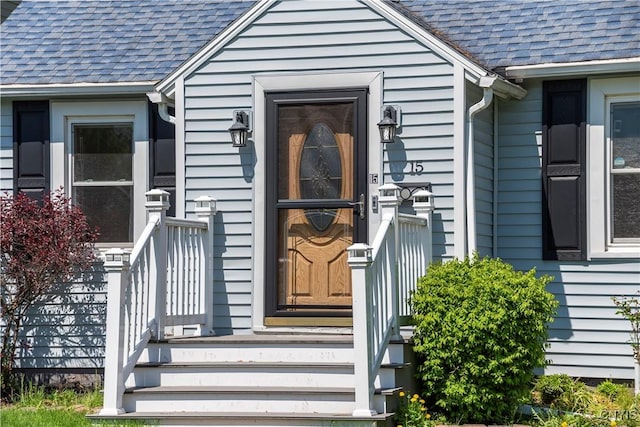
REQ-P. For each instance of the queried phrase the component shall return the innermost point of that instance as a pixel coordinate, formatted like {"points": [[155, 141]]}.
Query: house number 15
{"points": [[415, 168]]}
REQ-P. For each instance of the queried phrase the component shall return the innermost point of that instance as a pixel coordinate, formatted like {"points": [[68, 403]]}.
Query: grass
{"points": [[37, 407]]}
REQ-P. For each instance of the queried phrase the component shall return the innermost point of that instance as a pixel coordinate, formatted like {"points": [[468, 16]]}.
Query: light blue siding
{"points": [[67, 329], [587, 338], [311, 37], [6, 146]]}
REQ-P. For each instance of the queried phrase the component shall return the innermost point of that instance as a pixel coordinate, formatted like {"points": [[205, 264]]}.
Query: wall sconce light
{"points": [[240, 128], [389, 123]]}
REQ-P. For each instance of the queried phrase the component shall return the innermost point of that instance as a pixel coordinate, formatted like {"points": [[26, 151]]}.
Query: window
{"points": [[624, 171], [614, 168], [102, 177], [99, 154]]}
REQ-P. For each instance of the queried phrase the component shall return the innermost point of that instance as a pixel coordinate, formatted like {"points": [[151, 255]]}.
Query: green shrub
{"points": [[551, 387], [610, 389], [480, 331], [561, 392]]}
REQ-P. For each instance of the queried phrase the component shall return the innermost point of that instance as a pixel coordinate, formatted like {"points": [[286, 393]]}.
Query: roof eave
{"points": [[569, 69], [474, 71], [502, 88], [167, 85], [75, 89]]}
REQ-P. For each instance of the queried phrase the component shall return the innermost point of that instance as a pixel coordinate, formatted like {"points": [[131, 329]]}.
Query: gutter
{"points": [[568, 69], [163, 106], [75, 89], [491, 85]]}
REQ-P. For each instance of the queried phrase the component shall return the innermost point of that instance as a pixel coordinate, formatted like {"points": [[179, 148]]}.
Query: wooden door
{"points": [[317, 201]]}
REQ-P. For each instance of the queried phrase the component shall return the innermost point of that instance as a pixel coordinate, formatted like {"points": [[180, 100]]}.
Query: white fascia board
{"points": [[568, 69], [76, 89], [474, 71], [167, 85]]}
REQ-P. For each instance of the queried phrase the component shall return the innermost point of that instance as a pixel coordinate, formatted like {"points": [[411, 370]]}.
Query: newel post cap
{"points": [[157, 200], [116, 258], [423, 201], [359, 254], [389, 194], [205, 205]]}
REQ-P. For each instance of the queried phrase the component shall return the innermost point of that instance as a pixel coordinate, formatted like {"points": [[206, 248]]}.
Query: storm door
{"points": [[316, 200]]}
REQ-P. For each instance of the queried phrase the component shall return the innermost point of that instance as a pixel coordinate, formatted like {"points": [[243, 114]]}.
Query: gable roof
{"points": [[46, 42], [93, 41], [501, 33]]}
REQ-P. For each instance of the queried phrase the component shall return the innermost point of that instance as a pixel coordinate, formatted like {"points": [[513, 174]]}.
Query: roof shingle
{"points": [[107, 41], [501, 33], [144, 40]]}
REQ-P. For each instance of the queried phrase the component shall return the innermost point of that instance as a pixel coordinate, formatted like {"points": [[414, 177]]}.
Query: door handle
{"points": [[361, 206]]}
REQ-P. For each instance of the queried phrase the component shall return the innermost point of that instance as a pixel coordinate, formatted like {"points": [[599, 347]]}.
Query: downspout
{"points": [[163, 106], [485, 83], [495, 181]]}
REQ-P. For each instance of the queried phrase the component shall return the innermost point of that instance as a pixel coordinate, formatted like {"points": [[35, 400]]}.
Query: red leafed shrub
{"points": [[42, 244]]}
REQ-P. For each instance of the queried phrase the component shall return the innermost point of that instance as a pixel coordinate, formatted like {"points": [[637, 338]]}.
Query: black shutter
{"points": [[31, 148], [162, 138], [564, 113]]}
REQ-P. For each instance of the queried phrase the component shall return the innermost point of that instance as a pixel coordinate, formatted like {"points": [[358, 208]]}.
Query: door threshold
{"points": [[309, 322]]}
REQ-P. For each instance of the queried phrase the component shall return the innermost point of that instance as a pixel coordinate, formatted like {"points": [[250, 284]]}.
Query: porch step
{"points": [[284, 374], [255, 419], [257, 380], [253, 348], [242, 399]]}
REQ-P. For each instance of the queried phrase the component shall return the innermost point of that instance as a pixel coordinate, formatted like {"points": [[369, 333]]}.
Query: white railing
{"points": [[383, 276], [164, 281]]}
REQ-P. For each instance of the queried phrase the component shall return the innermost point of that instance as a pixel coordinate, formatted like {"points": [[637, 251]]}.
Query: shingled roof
{"points": [[501, 33], [144, 40], [107, 41]]}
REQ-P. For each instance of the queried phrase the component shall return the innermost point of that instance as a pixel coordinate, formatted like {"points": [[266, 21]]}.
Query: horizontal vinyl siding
{"points": [[6, 146], [311, 37], [587, 338], [67, 330]]}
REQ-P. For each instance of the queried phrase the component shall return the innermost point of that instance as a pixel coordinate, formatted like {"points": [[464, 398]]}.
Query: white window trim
{"points": [[65, 114], [601, 93]]}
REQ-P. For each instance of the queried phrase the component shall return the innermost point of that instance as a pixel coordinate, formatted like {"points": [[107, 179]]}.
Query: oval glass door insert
{"points": [[320, 173]]}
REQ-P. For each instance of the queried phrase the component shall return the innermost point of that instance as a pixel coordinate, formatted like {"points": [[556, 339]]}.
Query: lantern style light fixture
{"points": [[389, 123], [240, 128]]}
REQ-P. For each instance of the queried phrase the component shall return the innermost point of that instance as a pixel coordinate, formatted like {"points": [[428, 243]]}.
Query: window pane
{"points": [[108, 208], [626, 209], [103, 152], [625, 135]]}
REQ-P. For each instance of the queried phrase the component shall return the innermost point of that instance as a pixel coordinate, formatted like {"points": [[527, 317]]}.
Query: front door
{"points": [[316, 200]]}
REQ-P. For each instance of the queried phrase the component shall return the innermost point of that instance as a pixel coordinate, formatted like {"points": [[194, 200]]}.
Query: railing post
{"points": [[205, 211], [424, 206], [157, 205], [117, 265], [389, 201], [359, 259]]}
